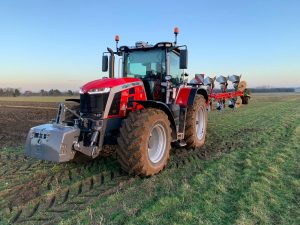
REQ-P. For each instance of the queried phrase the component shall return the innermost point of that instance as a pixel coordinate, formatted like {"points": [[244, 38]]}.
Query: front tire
{"points": [[196, 123], [144, 142]]}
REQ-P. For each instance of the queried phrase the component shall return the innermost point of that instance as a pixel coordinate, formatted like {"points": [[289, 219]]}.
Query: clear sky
{"points": [[59, 43]]}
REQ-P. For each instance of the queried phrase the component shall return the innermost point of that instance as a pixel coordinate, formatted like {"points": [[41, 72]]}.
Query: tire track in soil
{"points": [[40, 183], [180, 160], [26, 170], [74, 199], [46, 183]]}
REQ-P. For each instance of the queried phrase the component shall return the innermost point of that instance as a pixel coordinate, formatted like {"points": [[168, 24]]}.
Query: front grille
{"points": [[115, 105], [94, 103]]}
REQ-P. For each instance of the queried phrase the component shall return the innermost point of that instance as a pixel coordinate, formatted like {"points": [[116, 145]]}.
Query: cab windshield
{"points": [[145, 64]]}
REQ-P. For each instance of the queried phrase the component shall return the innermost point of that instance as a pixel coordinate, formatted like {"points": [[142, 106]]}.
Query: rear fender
{"points": [[163, 107], [186, 95], [202, 91]]}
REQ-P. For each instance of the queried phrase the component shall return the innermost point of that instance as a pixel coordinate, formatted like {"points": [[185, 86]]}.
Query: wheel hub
{"points": [[200, 123], [157, 143]]}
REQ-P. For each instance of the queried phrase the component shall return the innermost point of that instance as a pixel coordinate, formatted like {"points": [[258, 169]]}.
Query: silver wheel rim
{"points": [[157, 143], [200, 123]]}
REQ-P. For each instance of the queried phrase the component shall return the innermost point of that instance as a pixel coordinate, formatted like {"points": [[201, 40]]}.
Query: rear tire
{"points": [[196, 123], [144, 142]]}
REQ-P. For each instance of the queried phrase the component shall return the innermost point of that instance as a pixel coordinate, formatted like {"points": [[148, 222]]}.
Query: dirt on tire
{"points": [[133, 142]]}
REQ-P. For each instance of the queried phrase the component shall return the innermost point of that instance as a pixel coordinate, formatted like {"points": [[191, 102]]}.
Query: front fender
{"points": [[162, 106]]}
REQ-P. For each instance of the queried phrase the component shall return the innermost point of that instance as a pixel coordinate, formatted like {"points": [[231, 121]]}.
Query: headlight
{"points": [[99, 90]]}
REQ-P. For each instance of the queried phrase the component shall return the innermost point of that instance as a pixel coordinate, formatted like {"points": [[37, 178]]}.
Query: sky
{"points": [[48, 44]]}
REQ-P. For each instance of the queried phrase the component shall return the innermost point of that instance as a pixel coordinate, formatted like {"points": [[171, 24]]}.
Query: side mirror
{"points": [[104, 63], [183, 59]]}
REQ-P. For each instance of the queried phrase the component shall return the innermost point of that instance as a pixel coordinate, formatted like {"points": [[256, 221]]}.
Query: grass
{"points": [[254, 184], [251, 175]]}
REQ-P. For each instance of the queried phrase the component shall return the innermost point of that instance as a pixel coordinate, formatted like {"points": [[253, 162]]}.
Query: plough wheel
{"points": [[242, 85], [245, 100], [238, 102]]}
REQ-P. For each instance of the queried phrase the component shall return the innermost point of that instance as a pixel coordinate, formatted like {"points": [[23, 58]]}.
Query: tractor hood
{"points": [[106, 83]]}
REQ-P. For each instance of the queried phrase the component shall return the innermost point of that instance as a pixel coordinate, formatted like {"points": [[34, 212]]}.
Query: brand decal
{"points": [[130, 85]]}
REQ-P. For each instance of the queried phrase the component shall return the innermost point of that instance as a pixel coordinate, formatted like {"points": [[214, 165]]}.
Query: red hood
{"points": [[107, 83]]}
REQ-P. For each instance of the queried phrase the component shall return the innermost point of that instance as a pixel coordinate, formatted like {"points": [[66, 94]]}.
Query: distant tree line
{"points": [[56, 92], [6, 92], [15, 92], [271, 90]]}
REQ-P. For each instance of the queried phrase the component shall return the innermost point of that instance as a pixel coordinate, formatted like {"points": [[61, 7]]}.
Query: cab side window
{"points": [[175, 72]]}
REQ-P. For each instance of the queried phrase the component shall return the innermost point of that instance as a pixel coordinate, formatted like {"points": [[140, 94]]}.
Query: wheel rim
{"points": [[157, 143], [200, 123]]}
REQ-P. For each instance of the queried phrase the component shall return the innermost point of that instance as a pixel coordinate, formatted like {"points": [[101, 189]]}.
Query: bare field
{"points": [[36, 99], [18, 115], [247, 173], [17, 119]]}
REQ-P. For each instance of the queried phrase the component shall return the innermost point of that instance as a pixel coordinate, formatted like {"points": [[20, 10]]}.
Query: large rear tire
{"points": [[196, 123], [144, 142]]}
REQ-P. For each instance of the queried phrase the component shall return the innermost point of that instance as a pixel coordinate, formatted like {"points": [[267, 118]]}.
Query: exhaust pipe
{"points": [[112, 63]]}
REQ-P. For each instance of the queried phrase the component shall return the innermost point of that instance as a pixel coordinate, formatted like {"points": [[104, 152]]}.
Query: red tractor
{"points": [[149, 106]]}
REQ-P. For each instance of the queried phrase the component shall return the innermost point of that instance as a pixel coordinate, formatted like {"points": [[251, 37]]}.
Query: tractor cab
{"points": [[149, 65], [153, 64]]}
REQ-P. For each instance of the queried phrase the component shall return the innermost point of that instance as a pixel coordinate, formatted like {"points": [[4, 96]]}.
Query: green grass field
{"points": [[247, 173]]}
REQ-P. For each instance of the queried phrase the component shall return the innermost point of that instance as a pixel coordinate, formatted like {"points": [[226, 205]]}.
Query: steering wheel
{"points": [[136, 76], [151, 74]]}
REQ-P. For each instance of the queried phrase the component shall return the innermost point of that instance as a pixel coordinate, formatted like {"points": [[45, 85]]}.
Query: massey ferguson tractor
{"points": [[146, 108]]}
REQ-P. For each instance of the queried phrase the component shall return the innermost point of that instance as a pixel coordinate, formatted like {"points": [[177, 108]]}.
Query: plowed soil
{"points": [[17, 118]]}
